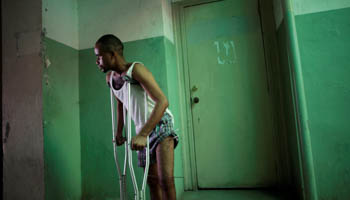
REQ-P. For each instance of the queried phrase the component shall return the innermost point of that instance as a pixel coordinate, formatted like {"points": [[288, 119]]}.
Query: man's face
{"points": [[103, 59]]}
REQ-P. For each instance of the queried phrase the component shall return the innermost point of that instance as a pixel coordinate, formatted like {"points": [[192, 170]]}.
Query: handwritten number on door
{"points": [[226, 52]]}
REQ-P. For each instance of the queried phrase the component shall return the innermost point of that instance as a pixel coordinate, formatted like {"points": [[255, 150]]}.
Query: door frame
{"points": [[188, 153]]}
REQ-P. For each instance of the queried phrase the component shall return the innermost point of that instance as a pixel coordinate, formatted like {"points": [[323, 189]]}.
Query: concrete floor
{"points": [[235, 194]]}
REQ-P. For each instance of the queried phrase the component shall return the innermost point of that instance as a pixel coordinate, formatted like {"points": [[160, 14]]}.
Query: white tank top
{"points": [[138, 98]]}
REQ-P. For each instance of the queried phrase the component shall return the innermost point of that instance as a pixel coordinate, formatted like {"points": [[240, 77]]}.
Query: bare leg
{"points": [[153, 183], [165, 162]]}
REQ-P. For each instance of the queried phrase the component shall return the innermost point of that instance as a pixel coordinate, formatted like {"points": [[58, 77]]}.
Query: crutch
{"points": [[122, 175], [139, 194]]}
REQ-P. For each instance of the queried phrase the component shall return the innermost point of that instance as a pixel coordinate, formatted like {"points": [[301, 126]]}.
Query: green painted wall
{"points": [[324, 44], [324, 47], [174, 105], [99, 175], [61, 121]]}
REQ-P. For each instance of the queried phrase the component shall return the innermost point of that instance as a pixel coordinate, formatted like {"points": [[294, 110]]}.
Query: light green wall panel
{"points": [[130, 20], [61, 122], [99, 175], [314, 6], [324, 46], [60, 21]]}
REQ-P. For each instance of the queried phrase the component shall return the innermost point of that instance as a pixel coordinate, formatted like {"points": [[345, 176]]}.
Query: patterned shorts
{"points": [[162, 130]]}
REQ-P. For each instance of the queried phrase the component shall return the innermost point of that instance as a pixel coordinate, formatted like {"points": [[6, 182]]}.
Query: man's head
{"points": [[107, 50]]}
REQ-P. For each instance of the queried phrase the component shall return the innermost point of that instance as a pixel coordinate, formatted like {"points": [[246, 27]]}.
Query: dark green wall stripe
{"points": [[61, 122], [324, 46]]}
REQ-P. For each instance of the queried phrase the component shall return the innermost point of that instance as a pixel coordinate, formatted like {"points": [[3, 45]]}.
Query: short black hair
{"points": [[110, 43]]}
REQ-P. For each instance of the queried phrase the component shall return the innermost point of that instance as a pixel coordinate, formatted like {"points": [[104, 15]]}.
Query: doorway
{"points": [[229, 108]]}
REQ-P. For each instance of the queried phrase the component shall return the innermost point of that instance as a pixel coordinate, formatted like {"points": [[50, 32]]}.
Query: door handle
{"points": [[195, 100]]}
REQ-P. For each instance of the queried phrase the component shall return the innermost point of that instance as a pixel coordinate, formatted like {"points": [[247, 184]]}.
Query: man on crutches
{"points": [[139, 95]]}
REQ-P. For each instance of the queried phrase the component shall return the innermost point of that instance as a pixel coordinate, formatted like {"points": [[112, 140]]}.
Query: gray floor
{"points": [[235, 194]]}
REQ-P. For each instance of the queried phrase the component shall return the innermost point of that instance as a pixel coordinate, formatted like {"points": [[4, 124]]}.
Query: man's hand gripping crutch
{"points": [[139, 194]]}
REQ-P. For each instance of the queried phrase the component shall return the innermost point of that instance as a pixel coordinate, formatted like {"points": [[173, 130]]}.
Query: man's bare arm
{"points": [[145, 77]]}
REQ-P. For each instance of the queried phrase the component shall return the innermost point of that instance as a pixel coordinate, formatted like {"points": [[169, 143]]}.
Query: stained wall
{"points": [[22, 129]]}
